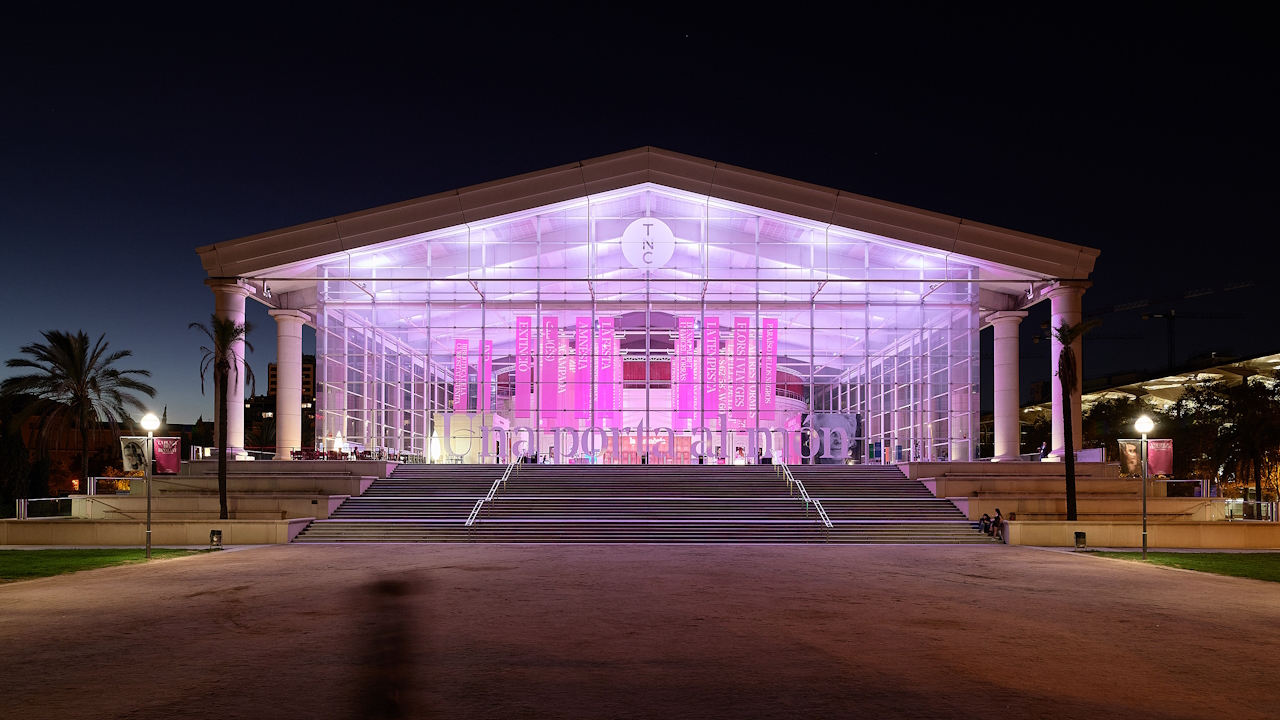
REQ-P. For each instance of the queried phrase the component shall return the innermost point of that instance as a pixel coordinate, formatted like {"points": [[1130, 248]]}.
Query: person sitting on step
{"points": [[997, 525]]}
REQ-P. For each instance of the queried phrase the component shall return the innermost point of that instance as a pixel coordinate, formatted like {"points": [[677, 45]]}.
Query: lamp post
{"points": [[1144, 425], [149, 423]]}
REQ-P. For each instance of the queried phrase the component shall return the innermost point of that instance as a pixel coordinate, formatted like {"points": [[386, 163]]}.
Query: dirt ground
{"points": [[590, 631]]}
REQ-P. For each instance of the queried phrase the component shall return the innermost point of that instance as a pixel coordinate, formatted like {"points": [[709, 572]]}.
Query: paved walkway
{"points": [[590, 631]]}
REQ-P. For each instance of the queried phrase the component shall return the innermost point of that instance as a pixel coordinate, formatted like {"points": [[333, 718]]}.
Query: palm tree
{"points": [[75, 386], [1066, 334], [220, 355]]}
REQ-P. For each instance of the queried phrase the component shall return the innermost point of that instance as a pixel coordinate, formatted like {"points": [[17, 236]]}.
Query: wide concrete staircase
{"points": [[878, 504], [645, 503]]}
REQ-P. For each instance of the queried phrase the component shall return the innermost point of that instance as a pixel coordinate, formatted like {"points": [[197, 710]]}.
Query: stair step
{"points": [[645, 504]]}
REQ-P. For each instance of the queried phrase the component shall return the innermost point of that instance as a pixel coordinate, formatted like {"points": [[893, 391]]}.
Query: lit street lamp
{"points": [[149, 423], [1144, 426]]}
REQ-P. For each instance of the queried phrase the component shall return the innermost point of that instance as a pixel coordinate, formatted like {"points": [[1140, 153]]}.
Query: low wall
{"points": [[985, 468], [1036, 485], [1224, 535], [1108, 508], [376, 468], [277, 484], [68, 531], [205, 507]]}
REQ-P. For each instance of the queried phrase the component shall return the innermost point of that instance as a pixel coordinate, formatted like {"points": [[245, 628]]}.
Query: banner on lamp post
{"points": [[1159, 458], [167, 452], [133, 452]]}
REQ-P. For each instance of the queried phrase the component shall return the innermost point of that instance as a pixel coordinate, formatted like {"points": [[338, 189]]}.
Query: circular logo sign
{"points": [[648, 243]]}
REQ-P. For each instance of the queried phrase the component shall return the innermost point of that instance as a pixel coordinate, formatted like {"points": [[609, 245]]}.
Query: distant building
{"points": [[308, 377], [259, 409]]}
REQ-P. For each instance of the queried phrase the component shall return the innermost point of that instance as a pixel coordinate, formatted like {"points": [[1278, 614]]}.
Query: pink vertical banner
{"points": [[524, 365], [459, 376], [741, 360], [167, 452], [605, 371], [549, 370], [582, 376], [617, 382], [486, 372], [768, 367], [686, 398], [710, 371], [692, 374], [564, 385]]}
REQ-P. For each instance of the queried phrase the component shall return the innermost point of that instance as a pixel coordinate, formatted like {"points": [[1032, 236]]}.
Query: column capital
{"points": [[230, 286], [1066, 287], [282, 316], [1006, 316]]}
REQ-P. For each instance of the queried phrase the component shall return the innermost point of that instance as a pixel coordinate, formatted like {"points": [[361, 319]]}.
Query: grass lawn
{"points": [[30, 564], [1259, 566]]}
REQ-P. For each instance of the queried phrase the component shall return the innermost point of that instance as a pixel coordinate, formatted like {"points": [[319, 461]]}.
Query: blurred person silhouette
{"points": [[390, 683]]}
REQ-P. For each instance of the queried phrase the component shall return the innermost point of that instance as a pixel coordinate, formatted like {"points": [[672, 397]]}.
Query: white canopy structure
{"points": [[656, 290]]}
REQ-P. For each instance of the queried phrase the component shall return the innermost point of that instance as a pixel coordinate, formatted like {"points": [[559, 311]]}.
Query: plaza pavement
{"points": [[592, 631]]}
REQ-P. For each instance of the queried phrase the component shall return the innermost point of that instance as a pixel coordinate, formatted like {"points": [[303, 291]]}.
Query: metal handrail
{"points": [[793, 481], [493, 491]]}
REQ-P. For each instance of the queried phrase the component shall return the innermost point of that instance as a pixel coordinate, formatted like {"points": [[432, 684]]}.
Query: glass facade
{"points": [[681, 328]]}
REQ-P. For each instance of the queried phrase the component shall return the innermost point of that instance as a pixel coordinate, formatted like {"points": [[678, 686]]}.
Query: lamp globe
{"points": [[150, 422], [1144, 425]]}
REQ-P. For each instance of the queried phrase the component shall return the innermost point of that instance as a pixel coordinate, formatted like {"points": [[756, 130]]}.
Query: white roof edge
{"points": [[476, 203]]}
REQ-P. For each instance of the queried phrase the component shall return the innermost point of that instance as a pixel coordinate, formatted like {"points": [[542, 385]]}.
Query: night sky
{"points": [[126, 141]]}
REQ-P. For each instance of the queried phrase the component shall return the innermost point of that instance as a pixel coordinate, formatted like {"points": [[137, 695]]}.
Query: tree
{"points": [[1109, 421], [75, 386], [262, 436], [1066, 334], [1193, 422], [1249, 436], [220, 356]]}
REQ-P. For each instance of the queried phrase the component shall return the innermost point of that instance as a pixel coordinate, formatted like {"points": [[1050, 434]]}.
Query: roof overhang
{"points": [[255, 253]]}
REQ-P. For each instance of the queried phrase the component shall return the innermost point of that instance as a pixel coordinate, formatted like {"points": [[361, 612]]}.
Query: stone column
{"points": [[1008, 424], [288, 381], [228, 303], [1064, 299]]}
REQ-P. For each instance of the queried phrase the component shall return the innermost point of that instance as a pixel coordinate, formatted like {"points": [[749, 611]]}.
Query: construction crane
{"points": [[1170, 322], [1173, 297], [1170, 317]]}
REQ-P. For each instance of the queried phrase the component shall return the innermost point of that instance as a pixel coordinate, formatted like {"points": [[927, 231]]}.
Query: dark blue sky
{"points": [[127, 140]]}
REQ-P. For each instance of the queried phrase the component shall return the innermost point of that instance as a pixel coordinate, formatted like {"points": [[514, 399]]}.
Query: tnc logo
{"points": [[648, 243]]}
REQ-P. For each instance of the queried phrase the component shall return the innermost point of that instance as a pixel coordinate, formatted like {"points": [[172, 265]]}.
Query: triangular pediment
{"points": [[267, 253]]}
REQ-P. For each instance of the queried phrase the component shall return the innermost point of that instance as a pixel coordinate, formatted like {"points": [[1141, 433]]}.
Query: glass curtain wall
{"points": [[681, 329]]}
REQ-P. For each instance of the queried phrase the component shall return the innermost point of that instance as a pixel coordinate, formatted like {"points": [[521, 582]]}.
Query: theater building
{"points": [[648, 307]]}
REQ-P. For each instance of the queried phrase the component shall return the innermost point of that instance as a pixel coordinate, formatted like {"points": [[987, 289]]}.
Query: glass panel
{"points": [[647, 325]]}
